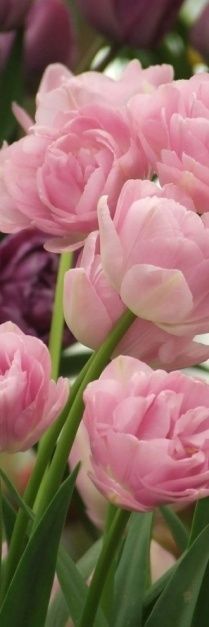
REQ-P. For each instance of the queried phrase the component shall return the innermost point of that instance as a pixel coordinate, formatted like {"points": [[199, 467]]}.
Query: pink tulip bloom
{"points": [[173, 128], [149, 435], [29, 400], [92, 306], [81, 146], [96, 504], [161, 259]]}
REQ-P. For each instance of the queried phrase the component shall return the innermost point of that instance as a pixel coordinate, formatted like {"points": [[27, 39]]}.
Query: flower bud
{"points": [[132, 22]]}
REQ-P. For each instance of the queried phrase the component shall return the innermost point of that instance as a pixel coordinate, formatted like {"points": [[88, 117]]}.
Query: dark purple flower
{"points": [[199, 33], [140, 23], [12, 13], [49, 37], [27, 282]]}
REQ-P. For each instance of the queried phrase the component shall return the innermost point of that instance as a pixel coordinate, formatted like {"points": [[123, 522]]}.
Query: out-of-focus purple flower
{"points": [[199, 33], [12, 13], [136, 22], [49, 37], [27, 281]]}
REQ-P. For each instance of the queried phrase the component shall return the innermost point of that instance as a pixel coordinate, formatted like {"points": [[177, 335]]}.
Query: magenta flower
{"points": [[135, 22], [149, 435], [29, 400], [82, 145]]}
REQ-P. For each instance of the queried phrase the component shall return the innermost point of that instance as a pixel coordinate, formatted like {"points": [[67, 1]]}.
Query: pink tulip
{"points": [[173, 128], [81, 146], [29, 400], [149, 435], [96, 505], [161, 259], [92, 306]]}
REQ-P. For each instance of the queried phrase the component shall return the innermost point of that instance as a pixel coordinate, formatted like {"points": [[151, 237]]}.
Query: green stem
{"points": [[103, 567], [57, 323], [65, 442], [177, 528]]}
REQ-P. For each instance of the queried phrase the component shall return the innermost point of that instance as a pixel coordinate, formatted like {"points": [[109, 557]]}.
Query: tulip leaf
{"points": [[87, 562], [9, 517], [58, 612], [176, 604], [133, 573], [154, 591], [74, 588], [27, 598], [16, 496], [177, 528]]}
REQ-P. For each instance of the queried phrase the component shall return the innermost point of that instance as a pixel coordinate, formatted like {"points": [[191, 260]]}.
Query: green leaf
{"points": [[9, 517], [11, 87], [176, 605], [15, 495], [58, 612], [177, 528], [74, 588], [132, 573], [154, 591], [200, 518], [201, 611], [27, 598]]}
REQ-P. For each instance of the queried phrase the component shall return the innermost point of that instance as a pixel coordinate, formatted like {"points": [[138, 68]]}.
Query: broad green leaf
{"points": [[177, 528], [27, 598], [74, 588], [202, 608], [200, 518], [87, 562], [176, 605], [9, 516], [132, 573], [15, 495], [11, 87], [154, 591], [58, 612]]}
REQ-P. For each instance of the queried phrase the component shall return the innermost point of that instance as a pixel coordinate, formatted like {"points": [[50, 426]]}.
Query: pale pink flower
{"points": [[29, 400], [96, 504], [173, 128], [82, 145], [92, 306], [149, 435], [161, 259]]}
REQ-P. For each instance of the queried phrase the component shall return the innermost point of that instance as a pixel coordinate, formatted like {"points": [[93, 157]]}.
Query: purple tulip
{"points": [[199, 33], [49, 38], [27, 282], [12, 13], [136, 22]]}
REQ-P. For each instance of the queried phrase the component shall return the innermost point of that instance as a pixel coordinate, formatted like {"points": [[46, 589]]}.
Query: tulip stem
{"points": [[66, 439], [57, 323], [103, 566]]}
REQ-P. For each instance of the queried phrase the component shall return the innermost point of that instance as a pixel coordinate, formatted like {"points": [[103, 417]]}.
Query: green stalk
{"points": [[57, 324], [103, 566], [65, 442]]}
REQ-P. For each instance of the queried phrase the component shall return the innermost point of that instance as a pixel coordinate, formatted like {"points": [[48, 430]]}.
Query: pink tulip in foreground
{"points": [[149, 435], [161, 259], [29, 400], [92, 306], [82, 145]]}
